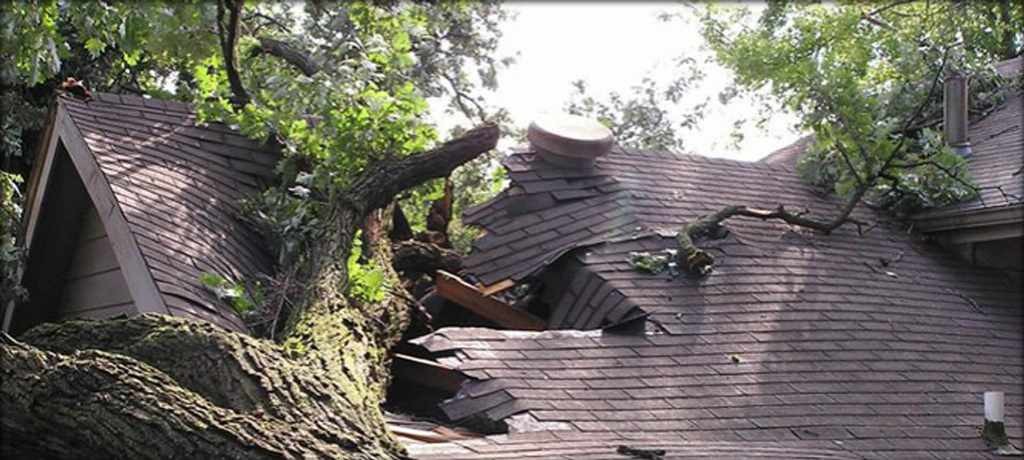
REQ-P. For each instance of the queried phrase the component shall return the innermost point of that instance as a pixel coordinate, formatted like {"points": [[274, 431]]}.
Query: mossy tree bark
{"points": [[163, 387]]}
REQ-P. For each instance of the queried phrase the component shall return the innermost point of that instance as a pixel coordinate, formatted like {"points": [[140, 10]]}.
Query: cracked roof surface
{"points": [[877, 341]]}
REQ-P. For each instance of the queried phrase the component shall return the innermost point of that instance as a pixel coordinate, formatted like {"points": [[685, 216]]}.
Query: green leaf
{"points": [[94, 46]]}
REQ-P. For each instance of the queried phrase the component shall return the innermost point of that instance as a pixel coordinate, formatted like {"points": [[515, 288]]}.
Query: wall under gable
{"points": [[94, 286]]}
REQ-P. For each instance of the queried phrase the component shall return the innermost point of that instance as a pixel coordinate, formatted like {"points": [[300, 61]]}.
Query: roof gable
{"points": [[168, 193]]}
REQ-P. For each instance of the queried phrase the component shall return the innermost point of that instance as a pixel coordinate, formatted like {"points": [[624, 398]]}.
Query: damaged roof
{"points": [[867, 339]]}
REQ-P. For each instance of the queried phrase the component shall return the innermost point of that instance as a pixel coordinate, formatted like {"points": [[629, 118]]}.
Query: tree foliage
{"points": [[337, 85], [10, 252], [642, 117], [866, 79]]}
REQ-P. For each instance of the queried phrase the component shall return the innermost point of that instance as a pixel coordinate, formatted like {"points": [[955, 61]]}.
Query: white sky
{"points": [[612, 46]]}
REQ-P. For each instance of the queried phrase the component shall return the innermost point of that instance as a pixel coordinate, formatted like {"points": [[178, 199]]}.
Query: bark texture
{"points": [[698, 262], [419, 257], [98, 404], [163, 387]]}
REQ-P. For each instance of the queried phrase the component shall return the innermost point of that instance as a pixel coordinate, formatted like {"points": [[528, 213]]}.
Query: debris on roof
{"points": [[453, 288]]}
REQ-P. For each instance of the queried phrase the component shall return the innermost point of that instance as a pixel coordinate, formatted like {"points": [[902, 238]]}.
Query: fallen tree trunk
{"points": [[95, 404], [162, 387]]}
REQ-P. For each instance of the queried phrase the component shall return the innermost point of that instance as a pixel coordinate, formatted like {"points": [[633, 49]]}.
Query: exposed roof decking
{"points": [[179, 187]]}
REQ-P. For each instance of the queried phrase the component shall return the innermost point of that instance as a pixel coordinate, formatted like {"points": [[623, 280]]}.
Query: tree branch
{"points": [[227, 33], [270, 21], [955, 175], [460, 96], [871, 178], [289, 54], [377, 186], [883, 8], [696, 261], [417, 256], [849, 164]]}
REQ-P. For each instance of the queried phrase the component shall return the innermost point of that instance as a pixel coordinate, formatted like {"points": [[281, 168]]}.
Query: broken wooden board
{"points": [[495, 288], [427, 373], [453, 288]]}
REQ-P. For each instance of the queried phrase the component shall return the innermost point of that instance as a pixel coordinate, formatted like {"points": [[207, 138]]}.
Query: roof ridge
{"points": [[144, 100], [701, 158], [619, 150]]}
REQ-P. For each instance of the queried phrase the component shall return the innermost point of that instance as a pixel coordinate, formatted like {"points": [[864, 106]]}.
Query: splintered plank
{"points": [[430, 374], [497, 287], [453, 288]]}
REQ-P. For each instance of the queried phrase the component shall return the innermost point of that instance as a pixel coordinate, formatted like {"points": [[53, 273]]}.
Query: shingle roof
{"points": [[879, 392], [549, 210], [790, 154], [879, 341], [179, 186], [567, 445]]}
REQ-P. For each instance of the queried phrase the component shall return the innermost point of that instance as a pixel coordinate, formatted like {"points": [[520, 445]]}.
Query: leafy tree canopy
{"points": [[337, 85], [866, 79], [641, 118]]}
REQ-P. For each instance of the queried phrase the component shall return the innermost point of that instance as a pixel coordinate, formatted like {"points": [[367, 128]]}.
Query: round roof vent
{"points": [[569, 140]]}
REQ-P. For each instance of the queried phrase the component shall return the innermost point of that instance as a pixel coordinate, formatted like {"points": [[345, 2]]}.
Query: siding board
{"points": [[93, 254], [99, 290], [92, 227], [94, 286]]}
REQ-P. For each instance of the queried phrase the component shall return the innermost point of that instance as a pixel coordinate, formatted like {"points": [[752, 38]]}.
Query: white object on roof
{"points": [[569, 140], [994, 406]]}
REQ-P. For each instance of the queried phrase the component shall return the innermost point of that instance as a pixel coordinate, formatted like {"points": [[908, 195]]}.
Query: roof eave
{"points": [[939, 221]]}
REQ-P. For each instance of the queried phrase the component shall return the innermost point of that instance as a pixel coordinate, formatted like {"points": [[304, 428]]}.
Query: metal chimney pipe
{"points": [[954, 116]]}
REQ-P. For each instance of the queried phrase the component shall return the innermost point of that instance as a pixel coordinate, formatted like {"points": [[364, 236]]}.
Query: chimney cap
{"points": [[569, 137]]}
